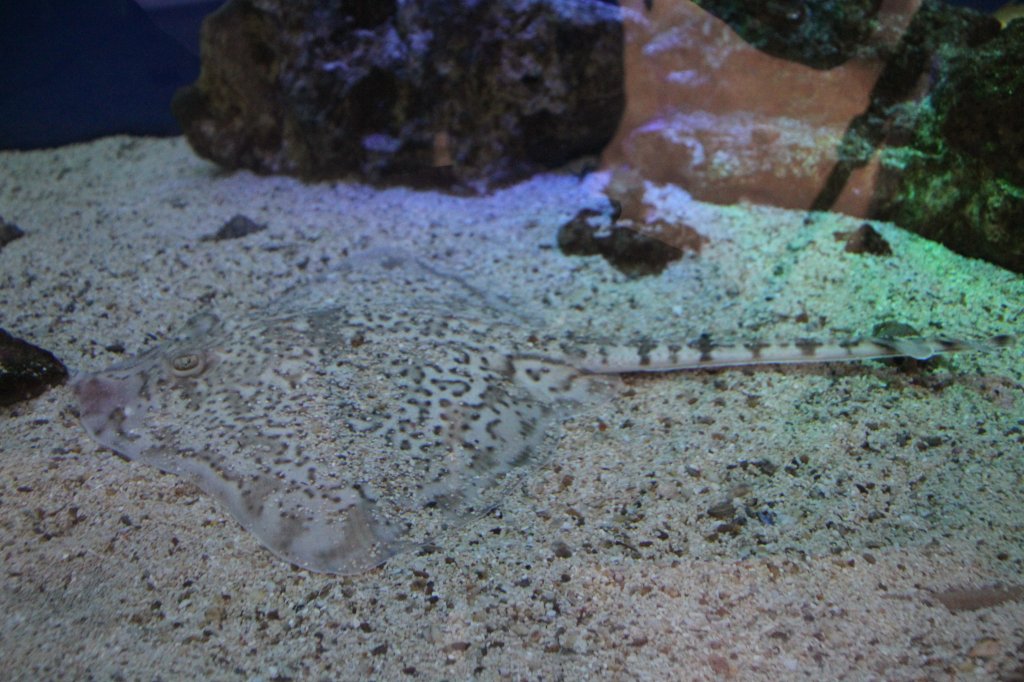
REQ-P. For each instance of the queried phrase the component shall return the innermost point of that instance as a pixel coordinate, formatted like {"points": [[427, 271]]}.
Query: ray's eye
{"points": [[187, 364]]}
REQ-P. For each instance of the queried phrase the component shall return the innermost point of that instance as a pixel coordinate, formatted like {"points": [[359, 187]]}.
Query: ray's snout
{"points": [[103, 401]]}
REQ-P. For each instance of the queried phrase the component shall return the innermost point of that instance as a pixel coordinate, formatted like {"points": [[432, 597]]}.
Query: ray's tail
{"points": [[646, 356]]}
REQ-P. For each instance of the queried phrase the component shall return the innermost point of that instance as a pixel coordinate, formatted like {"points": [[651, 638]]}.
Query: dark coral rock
{"points": [[981, 100], [634, 249], [819, 33], [580, 236], [935, 28], [959, 176], [9, 232], [236, 228], [488, 91], [25, 370]]}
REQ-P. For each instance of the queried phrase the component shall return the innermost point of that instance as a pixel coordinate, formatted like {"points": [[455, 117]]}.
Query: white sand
{"points": [[888, 485]]}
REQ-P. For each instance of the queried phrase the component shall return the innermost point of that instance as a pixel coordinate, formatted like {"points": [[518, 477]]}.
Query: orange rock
{"points": [[709, 112]]}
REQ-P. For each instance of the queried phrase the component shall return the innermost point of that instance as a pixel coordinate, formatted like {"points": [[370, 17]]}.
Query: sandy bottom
{"points": [[858, 521]]}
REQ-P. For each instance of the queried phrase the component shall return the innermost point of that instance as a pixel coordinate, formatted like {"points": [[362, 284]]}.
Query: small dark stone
{"points": [[865, 239], [25, 370], [765, 467], [891, 329], [722, 510], [9, 232], [379, 650], [732, 529], [561, 550], [236, 228]]}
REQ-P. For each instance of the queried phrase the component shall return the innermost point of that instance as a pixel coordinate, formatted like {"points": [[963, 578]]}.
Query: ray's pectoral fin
{"points": [[334, 530]]}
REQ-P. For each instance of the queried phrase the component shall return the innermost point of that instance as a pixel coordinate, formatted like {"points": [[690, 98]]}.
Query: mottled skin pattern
{"points": [[378, 410]]}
